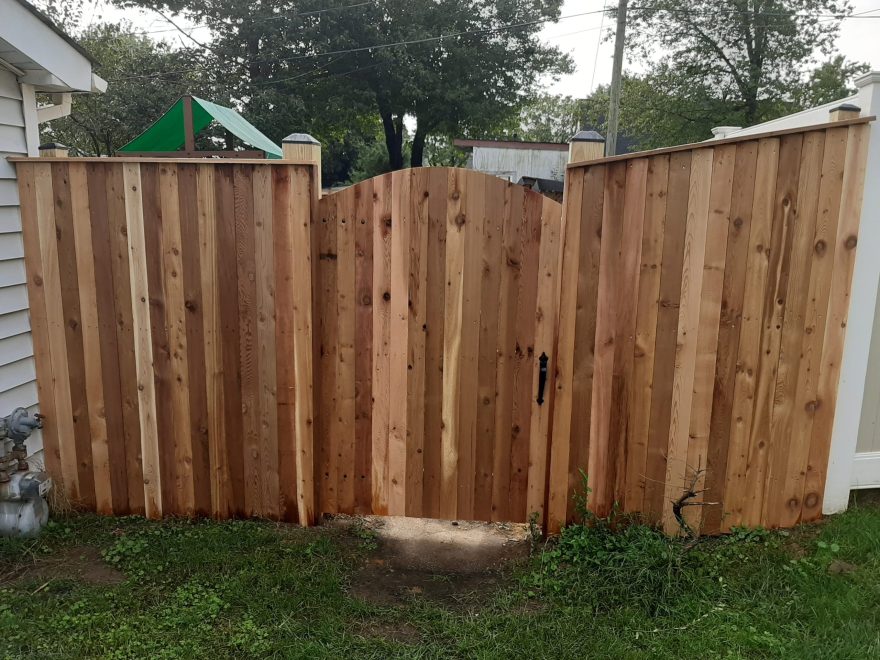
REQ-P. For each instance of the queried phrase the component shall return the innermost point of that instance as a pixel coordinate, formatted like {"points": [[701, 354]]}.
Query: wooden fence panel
{"points": [[432, 306], [163, 294], [712, 367], [213, 339]]}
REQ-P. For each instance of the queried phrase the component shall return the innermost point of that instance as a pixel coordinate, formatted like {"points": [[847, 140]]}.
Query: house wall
{"points": [[513, 164], [869, 429], [17, 376]]}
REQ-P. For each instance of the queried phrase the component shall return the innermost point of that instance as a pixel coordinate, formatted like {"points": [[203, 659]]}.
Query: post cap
{"points": [[299, 138], [51, 145], [587, 136], [846, 107]]}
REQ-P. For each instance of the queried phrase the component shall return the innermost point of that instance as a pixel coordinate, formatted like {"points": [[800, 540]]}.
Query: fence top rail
{"points": [[708, 144], [186, 161]]}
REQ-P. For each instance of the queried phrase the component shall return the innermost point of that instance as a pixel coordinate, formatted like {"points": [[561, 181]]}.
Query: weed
{"points": [[535, 533], [606, 588], [368, 539]]}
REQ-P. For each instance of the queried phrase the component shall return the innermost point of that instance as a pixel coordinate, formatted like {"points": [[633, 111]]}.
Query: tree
{"points": [[456, 84], [755, 56], [830, 81], [378, 62], [651, 115], [545, 118], [145, 78], [66, 14]]}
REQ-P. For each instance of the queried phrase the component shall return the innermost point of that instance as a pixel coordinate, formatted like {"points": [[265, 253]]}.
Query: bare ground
{"points": [[454, 562], [81, 563]]}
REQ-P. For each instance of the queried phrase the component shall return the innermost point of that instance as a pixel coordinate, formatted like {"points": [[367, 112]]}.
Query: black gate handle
{"points": [[542, 377]]}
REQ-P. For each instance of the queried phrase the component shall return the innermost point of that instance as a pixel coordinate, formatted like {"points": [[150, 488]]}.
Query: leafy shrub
{"points": [[604, 563], [602, 567]]}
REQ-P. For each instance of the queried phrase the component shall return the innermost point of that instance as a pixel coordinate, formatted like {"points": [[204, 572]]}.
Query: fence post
{"points": [[303, 147], [586, 145], [844, 111], [53, 150]]}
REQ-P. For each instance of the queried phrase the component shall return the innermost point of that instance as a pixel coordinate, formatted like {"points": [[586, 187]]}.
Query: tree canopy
{"points": [[707, 63], [101, 123], [386, 83], [745, 61], [455, 66]]}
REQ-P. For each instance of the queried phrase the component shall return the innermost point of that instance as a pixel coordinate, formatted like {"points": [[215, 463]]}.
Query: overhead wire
{"points": [[479, 31], [383, 46], [598, 44]]}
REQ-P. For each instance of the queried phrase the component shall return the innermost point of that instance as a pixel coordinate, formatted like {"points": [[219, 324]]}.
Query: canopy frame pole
{"points": [[189, 138]]}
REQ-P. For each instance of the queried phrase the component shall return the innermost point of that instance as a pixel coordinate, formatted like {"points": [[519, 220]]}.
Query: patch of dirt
{"points": [[453, 562], [402, 632], [81, 563], [840, 567]]}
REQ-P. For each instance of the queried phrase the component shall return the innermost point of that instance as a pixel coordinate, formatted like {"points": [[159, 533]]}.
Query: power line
{"points": [[598, 44], [779, 14], [503, 28], [250, 21], [410, 42], [643, 8]]}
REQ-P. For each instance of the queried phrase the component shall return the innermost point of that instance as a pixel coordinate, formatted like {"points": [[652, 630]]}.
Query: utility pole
{"points": [[616, 73]]}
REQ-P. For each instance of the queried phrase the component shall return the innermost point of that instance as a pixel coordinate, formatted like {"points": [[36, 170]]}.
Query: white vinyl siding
{"points": [[17, 377]]}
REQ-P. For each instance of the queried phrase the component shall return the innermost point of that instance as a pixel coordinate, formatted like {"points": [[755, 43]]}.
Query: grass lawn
{"points": [[129, 588]]}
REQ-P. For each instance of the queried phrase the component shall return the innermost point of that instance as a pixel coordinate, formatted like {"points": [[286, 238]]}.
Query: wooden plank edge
{"points": [[705, 144]]}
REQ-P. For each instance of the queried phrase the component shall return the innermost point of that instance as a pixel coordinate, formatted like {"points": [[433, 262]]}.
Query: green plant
{"points": [[535, 533], [368, 539], [249, 589]]}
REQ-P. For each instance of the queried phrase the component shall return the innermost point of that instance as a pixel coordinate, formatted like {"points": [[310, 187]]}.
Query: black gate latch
{"points": [[542, 377]]}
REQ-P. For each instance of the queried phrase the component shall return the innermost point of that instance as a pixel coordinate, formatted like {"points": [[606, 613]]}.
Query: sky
{"points": [[578, 33], [579, 36]]}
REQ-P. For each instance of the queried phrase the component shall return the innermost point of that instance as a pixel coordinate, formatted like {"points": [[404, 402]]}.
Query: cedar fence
{"points": [[435, 294], [701, 332], [213, 339], [171, 310]]}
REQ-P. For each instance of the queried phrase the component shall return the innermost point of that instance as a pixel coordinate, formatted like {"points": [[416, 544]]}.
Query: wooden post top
{"points": [[586, 145], [844, 111], [303, 147], [53, 150]]}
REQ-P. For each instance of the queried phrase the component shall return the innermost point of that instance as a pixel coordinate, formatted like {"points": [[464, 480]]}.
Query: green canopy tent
{"points": [[187, 118]]}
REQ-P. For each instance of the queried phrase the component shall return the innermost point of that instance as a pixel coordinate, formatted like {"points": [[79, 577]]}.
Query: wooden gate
{"points": [[211, 338], [435, 295]]}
